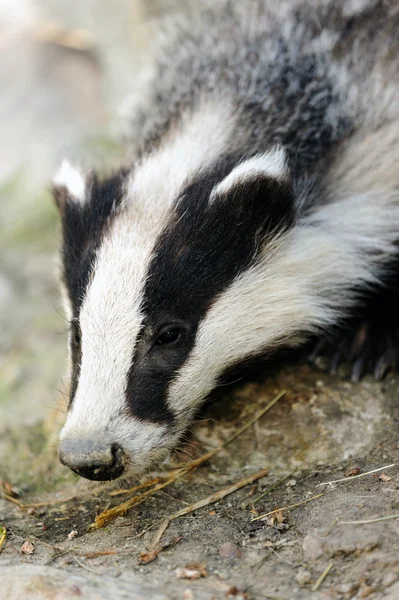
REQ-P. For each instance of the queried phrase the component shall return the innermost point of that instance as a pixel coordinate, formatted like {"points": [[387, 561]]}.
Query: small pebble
{"points": [[303, 576], [291, 483], [312, 547], [72, 534], [230, 550]]}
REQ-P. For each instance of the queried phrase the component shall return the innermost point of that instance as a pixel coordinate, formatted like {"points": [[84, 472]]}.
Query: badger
{"points": [[259, 209]]}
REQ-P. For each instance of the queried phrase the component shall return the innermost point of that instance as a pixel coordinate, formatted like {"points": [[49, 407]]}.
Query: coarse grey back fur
{"points": [[309, 84]]}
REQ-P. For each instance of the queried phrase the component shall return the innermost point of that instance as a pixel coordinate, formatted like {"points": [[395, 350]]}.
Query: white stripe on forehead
{"points": [[194, 144], [110, 316]]}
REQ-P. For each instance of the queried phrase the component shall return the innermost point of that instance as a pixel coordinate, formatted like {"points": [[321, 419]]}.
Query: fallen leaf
{"points": [[147, 557], [194, 571], [234, 592], [352, 472], [10, 490], [27, 548], [385, 477]]}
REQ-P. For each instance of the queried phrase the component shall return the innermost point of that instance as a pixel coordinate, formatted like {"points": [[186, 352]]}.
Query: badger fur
{"points": [[261, 207]]}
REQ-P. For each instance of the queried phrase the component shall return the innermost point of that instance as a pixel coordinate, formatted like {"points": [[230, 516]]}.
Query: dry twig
{"points": [[346, 479]]}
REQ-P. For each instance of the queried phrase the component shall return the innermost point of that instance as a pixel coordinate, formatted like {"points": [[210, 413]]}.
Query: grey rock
{"points": [[40, 583], [312, 547]]}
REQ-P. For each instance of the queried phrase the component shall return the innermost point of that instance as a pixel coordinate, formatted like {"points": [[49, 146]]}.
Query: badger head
{"points": [[163, 273]]}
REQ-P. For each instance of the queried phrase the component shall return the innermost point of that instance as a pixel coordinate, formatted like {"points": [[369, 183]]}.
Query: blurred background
{"points": [[66, 69]]}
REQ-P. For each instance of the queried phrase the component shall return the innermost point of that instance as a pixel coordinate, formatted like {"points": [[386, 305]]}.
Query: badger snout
{"points": [[92, 459]]}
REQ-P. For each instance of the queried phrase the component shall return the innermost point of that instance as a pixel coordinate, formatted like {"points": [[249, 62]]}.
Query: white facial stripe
{"points": [[110, 320], [195, 144], [270, 164], [302, 283], [72, 179], [110, 316]]}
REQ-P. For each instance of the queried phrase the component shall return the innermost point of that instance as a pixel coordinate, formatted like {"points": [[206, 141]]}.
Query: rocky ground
{"points": [[336, 542]]}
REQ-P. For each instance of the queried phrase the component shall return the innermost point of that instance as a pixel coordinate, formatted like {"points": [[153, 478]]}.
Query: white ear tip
{"points": [[72, 179], [272, 163]]}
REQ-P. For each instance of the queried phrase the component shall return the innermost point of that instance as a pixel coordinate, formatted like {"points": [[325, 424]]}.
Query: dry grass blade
{"points": [[208, 500], [272, 512], [366, 521], [346, 479], [108, 515], [36, 504], [3, 535], [322, 577]]}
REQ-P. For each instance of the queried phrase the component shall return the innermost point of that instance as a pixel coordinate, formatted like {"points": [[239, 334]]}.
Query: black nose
{"points": [[91, 459]]}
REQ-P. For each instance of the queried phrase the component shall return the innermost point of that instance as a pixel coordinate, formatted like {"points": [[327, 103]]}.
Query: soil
{"points": [[322, 429], [339, 541]]}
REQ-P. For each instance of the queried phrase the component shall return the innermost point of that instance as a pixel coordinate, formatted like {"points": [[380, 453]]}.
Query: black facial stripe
{"points": [[83, 227], [76, 358], [201, 251]]}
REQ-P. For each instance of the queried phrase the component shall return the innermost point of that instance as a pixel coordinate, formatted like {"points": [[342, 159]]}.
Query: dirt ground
{"points": [[321, 430], [338, 541]]}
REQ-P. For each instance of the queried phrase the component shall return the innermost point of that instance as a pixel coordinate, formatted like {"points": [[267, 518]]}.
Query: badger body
{"points": [[261, 207]]}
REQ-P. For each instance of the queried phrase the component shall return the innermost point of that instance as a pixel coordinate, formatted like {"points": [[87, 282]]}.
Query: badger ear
{"points": [[270, 165], [261, 186], [69, 185]]}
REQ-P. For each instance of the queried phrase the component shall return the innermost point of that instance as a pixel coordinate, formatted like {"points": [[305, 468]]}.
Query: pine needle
{"points": [[322, 577], [207, 501], [272, 512]]}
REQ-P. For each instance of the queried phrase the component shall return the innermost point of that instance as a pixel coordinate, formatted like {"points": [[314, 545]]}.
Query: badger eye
{"points": [[169, 335]]}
